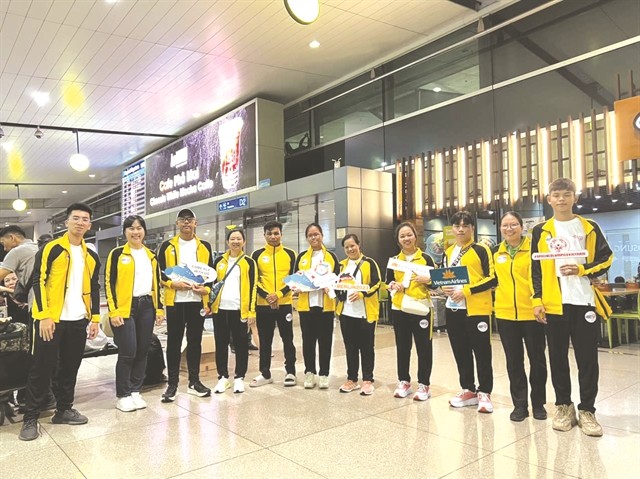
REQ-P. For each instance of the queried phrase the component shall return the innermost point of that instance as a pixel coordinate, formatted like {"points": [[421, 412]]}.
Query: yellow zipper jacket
{"points": [[274, 264], [415, 290], [371, 276], [51, 275], [119, 276], [513, 293], [248, 284], [545, 286], [303, 263], [169, 255], [479, 263]]}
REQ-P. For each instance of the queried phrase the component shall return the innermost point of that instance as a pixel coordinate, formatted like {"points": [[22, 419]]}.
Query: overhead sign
{"points": [[233, 204], [219, 158]]}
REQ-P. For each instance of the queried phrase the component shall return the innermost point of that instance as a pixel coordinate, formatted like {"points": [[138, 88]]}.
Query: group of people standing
{"points": [[533, 299]]}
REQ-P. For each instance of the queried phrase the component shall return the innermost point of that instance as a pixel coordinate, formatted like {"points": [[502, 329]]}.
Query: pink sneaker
{"points": [[484, 402], [422, 394], [464, 398], [403, 390], [367, 388]]}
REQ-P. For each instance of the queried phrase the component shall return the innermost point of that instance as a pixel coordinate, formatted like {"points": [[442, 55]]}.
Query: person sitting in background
{"points": [[18, 311]]}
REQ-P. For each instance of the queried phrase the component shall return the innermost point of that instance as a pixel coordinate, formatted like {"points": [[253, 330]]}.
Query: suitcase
{"points": [[439, 320], [15, 362]]}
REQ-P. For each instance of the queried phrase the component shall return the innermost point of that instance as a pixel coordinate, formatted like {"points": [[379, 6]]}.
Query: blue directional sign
{"points": [[233, 204]]}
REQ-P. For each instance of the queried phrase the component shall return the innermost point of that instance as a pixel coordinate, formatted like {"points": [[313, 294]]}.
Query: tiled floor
{"points": [[293, 432]]}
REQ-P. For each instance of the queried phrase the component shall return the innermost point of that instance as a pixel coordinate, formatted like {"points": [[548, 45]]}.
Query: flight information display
{"points": [[134, 190]]}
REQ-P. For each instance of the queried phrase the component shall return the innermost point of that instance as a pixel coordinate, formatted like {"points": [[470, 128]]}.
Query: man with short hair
{"points": [[184, 302], [21, 253], [66, 297], [273, 305], [567, 303]]}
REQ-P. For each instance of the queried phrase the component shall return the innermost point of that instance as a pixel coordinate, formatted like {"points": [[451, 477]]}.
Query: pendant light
{"points": [[78, 161], [303, 11], [19, 204]]}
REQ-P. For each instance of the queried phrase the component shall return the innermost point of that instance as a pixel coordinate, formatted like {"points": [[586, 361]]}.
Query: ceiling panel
{"points": [[164, 66]]}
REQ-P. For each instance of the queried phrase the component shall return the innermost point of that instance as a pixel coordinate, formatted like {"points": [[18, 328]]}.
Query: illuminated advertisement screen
{"points": [[219, 158], [133, 190]]}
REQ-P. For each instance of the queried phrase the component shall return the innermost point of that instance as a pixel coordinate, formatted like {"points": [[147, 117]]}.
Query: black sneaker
{"points": [[253, 347], [170, 394], [539, 413], [69, 416], [30, 430], [198, 389], [519, 414]]}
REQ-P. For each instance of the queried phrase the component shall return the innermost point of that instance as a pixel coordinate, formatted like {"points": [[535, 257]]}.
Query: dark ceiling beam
{"points": [[86, 130], [470, 4]]}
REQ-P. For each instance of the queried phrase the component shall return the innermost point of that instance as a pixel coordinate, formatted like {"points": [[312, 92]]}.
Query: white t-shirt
{"points": [[74, 308], [143, 274], [405, 283], [187, 254], [316, 298], [230, 294], [354, 309], [576, 290], [450, 303]]}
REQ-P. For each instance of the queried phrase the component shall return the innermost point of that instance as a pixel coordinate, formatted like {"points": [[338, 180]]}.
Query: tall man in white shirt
{"points": [[66, 297], [184, 302]]}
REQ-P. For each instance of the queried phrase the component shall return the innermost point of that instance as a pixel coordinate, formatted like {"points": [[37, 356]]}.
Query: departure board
{"points": [[133, 190]]}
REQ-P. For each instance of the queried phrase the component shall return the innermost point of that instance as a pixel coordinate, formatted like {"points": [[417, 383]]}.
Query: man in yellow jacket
{"points": [[273, 305], [66, 299], [565, 300]]}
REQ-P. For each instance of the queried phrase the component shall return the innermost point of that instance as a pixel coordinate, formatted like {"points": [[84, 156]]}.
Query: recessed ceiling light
{"points": [[28, 212], [437, 89], [597, 197], [614, 200], [578, 206], [629, 204], [92, 175], [314, 44], [40, 97], [64, 192], [7, 146], [594, 209]]}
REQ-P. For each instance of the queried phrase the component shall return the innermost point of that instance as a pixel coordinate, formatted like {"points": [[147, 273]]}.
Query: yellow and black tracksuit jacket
{"points": [[169, 256], [119, 276], [545, 285], [479, 263], [51, 271], [274, 264], [248, 284], [303, 263], [371, 276], [415, 290], [513, 292]]}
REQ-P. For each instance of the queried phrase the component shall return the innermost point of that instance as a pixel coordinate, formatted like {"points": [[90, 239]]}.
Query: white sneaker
{"points": [[238, 385], [126, 404], [464, 398], [222, 386], [422, 394], [484, 402], [309, 380], [138, 401], [323, 382], [403, 390]]}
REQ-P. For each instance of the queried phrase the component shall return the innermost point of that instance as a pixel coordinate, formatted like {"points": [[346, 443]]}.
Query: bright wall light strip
{"points": [[614, 165], [399, 189], [418, 186], [439, 177], [544, 174], [462, 177], [576, 157], [486, 173], [514, 168]]}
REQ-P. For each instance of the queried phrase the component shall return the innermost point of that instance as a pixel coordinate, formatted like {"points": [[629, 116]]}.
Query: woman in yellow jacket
{"points": [[410, 324], [358, 312], [516, 321], [316, 309], [132, 283], [233, 308]]}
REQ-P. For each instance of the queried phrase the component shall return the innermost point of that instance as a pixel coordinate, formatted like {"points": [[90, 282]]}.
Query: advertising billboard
{"points": [[218, 159]]}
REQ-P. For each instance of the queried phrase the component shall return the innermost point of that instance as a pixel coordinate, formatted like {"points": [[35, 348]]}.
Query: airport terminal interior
{"points": [[355, 115]]}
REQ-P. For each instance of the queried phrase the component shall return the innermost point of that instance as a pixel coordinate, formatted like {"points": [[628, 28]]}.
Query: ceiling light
{"points": [[594, 209], [133, 151], [597, 197], [40, 97], [614, 200], [7, 146], [39, 133], [303, 11], [314, 44], [92, 175], [78, 161], [19, 204], [28, 212], [578, 206], [64, 192], [629, 204], [437, 89]]}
